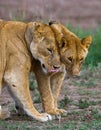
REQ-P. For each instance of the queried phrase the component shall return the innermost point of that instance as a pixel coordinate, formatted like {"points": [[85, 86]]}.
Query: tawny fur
{"points": [[73, 52], [21, 45]]}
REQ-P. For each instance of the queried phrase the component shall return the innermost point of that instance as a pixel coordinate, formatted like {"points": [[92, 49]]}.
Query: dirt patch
{"points": [[74, 94]]}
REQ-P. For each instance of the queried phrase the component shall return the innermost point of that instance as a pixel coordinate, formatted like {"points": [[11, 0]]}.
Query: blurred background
{"points": [[80, 97], [78, 13]]}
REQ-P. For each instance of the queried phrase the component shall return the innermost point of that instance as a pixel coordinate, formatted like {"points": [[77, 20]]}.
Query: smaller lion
{"points": [[73, 52]]}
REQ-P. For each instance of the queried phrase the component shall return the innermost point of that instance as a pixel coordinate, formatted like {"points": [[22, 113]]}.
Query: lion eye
{"points": [[70, 59], [50, 50], [81, 59]]}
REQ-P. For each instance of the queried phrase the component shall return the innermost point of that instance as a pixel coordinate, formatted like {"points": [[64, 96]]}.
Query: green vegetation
{"points": [[65, 101], [83, 104], [76, 124]]}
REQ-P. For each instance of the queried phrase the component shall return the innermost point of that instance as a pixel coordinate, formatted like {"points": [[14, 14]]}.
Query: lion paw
{"points": [[61, 111], [44, 117], [56, 111]]}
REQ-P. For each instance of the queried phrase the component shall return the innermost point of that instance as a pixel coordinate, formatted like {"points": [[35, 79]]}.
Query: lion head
{"points": [[73, 50], [41, 39]]}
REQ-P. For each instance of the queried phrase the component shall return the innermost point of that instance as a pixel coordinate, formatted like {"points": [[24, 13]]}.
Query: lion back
{"points": [[2, 49]]}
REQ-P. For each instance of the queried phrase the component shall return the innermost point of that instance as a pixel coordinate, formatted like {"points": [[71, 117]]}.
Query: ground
{"points": [[80, 97]]}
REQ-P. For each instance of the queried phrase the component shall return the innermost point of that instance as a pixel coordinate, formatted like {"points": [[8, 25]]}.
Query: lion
{"points": [[22, 45], [73, 52]]}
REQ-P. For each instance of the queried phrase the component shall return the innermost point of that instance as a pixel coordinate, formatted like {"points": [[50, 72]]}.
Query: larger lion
{"points": [[73, 52], [22, 45]]}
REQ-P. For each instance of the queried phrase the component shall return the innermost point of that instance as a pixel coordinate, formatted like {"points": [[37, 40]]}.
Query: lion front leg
{"points": [[44, 87], [18, 87], [49, 98], [46, 93], [56, 83]]}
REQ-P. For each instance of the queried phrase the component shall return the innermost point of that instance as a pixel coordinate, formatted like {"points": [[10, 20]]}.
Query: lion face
{"points": [[42, 46], [73, 50], [73, 54]]}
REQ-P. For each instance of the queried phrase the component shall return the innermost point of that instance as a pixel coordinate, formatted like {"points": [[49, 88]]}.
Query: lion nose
{"points": [[56, 67]]}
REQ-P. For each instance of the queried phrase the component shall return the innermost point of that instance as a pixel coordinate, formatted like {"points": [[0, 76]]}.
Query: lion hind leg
{"points": [[4, 113]]}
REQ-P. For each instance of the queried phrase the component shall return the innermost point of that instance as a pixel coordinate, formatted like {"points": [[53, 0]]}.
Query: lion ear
{"points": [[52, 22], [56, 27], [86, 41], [29, 33]]}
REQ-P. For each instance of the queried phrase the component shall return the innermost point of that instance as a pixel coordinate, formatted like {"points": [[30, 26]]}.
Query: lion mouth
{"points": [[53, 71], [49, 70]]}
